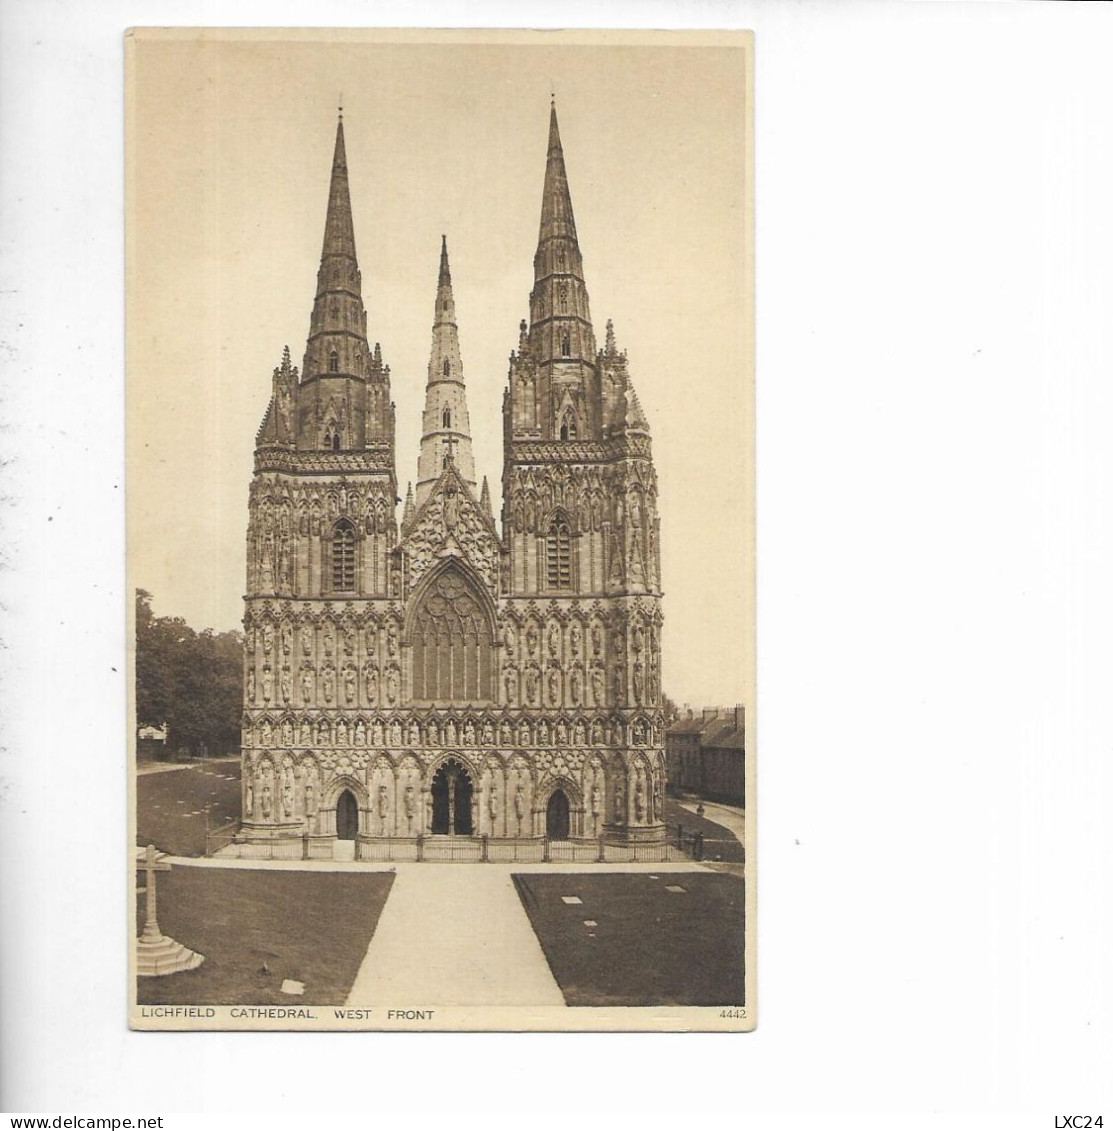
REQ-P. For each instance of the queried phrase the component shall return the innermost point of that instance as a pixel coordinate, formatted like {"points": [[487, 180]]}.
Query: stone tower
{"points": [[445, 430], [446, 689], [581, 531], [321, 534]]}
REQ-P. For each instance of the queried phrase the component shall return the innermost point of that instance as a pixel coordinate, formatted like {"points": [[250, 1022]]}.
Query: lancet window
{"points": [[343, 557], [558, 555]]}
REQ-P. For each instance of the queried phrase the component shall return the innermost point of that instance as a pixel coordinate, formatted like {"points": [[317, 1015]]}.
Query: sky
{"points": [[231, 143]]}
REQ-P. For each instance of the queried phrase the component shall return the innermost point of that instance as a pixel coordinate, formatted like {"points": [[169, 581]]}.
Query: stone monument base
{"points": [[160, 955]]}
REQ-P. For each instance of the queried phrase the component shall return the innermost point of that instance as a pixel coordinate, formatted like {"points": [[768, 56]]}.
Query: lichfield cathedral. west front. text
{"points": [[447, 677]]}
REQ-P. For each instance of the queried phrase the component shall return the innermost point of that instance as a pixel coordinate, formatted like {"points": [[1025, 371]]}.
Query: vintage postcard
{"points": [[440, 529]]}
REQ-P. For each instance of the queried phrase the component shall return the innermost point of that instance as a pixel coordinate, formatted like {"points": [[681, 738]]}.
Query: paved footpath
{"points": [[454, 934], [729, 816]]}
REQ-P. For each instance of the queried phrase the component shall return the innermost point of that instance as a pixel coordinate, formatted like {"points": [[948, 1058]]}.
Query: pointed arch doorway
{"points": [[558, 816], [347, 816], [452, 797]]}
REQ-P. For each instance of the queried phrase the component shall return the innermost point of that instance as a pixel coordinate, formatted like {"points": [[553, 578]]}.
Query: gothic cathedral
{"points": [[453, 681]]}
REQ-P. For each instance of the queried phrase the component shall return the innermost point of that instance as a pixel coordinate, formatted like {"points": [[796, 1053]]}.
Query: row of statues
{"points": [[644, 804], [435, 733]]}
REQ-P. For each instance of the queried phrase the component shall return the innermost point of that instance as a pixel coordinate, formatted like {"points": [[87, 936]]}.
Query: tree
{"points": [[191, 681]]}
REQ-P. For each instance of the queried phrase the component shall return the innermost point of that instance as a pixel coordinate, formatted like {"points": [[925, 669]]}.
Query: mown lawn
{"points": [[649, 946], [170, 805], [257, 927]]}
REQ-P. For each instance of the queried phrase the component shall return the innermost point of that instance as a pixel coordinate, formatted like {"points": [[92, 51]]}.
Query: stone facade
{"points": [[443, 676]]}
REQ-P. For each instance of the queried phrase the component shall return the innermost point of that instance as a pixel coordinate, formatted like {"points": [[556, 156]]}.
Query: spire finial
{"points": [[340, 105]]}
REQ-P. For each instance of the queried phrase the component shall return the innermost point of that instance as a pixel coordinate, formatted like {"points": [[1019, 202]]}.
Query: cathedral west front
{"points": [[452, 683]]}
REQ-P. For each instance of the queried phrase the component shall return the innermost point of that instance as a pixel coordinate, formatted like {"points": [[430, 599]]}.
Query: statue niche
{"points": [[452, 634]]}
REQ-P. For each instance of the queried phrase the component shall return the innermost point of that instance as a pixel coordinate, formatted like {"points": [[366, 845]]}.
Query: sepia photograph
{"points": [[440, 530]]}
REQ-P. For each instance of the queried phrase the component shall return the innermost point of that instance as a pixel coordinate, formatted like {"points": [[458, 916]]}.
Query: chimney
{"points": [[739, 717], [709, 713]]}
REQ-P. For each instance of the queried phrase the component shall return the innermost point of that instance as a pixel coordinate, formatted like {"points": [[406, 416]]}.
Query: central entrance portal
{"points": [[556, 816], [452, 797]]}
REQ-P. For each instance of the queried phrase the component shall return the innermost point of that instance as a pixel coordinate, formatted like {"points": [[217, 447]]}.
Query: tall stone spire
{"points": [[337, 341], [561, 333], [446, 431]]}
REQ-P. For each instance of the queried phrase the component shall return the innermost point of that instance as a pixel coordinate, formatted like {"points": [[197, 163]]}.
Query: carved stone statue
{"points": [[450, 733], [415, 733], [488, 734], [392, 640], [451, 509], [268, 684], [248, 802], [304, 737], [532, 640], [554, 686], [328, 685], [287, 732], [287, 686], [392, 686], [287, 796], [310, 799], [287, 639], [306, 686], [511, 639], [329, 642], [511, 681], [266, 802], [596, 640], [579, 733], [531, 687], [382, 801], [597, 687], [468, 737], [341, 733], [639, 682], [396, 733], [554, 639], [361, 733], [560, 734], [371, 680], [639, 801], [504, 733], [542, 733], [251, 685], [574, 638], [376, 733]]}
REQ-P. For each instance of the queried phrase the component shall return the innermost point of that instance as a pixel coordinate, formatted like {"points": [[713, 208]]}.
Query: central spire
{"points": [[337, 343], [446, 431]]}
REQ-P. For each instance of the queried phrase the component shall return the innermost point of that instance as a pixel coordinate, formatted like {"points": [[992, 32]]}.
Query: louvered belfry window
{"points": [[558, 556], [343, 558]]}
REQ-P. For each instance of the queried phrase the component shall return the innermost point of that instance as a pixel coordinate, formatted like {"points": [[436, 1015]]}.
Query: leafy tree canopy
{"points": [[193, 681]]}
